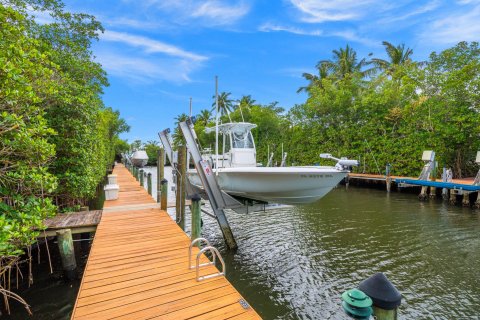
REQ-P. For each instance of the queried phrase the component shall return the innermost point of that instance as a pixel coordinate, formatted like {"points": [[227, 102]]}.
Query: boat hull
{"points": [[287, 185], [139, 158]]}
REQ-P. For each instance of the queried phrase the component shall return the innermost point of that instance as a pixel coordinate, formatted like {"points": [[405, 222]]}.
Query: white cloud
{"points": [[150, 45], [430, 6], [454, 27], [222, 13], [208, 12], [141, 70], [349, 35], [353, 36], [270, 27], [314, 11], [132, 23]]}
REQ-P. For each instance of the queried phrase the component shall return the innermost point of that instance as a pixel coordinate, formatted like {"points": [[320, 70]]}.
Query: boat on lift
{"points": [[139, 158], [238, 173]]}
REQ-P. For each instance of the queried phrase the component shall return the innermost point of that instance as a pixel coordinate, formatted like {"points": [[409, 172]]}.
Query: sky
{"points": [[160, 53]]}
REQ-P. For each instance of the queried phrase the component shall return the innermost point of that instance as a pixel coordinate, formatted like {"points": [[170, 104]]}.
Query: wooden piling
{"points": [[149, 183], [135, 172], [160, 172], [466, 199], [382, 314], [67, 253], [477, 203], [433, 177], [164, 194], [180, 191], [195, 208], [423, 193], [453, 197], [141, 178], [388, 178]]}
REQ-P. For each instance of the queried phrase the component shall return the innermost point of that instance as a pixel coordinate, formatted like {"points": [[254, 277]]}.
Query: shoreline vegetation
{"points": [[379, 111], [57, 138]]}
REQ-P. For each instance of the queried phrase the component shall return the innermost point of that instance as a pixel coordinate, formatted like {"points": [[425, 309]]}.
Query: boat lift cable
{"points": [[373, 156]]}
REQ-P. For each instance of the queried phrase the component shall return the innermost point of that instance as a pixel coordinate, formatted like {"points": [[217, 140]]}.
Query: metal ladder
{"points": [[198, 265]]}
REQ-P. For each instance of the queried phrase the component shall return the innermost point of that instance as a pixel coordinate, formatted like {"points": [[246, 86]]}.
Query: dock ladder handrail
{"points": [[214, 253], [198, 265], [190, 266]]}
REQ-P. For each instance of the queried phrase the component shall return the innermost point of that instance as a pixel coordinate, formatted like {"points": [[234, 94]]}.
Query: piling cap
{"points": [[357, 304], [163, 181], [382, 291], [196, 197]]}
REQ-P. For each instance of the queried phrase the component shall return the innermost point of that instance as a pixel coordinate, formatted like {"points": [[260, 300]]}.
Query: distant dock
{"points": [[138, 267], [449, 190]]}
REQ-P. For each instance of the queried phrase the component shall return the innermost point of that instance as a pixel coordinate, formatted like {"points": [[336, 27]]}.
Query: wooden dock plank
{"points": [[138, 267]]}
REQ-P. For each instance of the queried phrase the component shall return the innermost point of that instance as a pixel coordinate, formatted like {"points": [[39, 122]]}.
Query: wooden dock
{"points": [[138, 267], [78, 222], [383, 178]]}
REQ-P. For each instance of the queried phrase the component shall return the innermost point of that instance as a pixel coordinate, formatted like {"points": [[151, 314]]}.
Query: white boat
{"points": [[238, 174], [139, 158]]}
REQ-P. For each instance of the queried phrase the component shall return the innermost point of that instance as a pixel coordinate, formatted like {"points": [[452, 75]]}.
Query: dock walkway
{"points": [[138, 267]]}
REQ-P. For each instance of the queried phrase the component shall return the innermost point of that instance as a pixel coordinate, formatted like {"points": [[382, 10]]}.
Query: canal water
{"points": [[294, 262]]}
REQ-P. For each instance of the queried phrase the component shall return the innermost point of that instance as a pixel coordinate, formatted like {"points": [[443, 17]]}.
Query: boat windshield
{"points": [[242, 139]]}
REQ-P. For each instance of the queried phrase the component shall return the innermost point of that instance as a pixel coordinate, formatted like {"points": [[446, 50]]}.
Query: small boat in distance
{"points": [[237, 172], [139, 158]]}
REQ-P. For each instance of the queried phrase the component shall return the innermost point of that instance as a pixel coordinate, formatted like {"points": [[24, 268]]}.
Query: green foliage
{"points": [[56, 137], [25, 79], [386, 117], [151, 148]]}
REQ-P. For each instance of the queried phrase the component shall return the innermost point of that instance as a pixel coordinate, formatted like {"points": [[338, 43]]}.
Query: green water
{"points": [[294, 262]]}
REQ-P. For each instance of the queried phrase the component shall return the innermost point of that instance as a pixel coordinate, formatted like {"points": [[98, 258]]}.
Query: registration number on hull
{"points": [[316, 176]]}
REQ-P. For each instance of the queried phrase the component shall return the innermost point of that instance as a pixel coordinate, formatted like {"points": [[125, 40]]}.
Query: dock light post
{"points": [[357, 304]]}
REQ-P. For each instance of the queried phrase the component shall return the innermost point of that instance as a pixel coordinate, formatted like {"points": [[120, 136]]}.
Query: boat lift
{"points": [[219, 200]]}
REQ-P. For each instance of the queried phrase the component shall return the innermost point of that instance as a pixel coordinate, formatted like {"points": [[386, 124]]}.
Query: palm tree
{"points": [[204, 116], [152, 142], [397, 55], [315, 80], [345, 63], [177, 134], [224, 103], [246, 101]]}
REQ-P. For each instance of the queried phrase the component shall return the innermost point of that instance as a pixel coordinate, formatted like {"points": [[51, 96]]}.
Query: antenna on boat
{"points": [[240, 107], [190, 107], [216, 123]]}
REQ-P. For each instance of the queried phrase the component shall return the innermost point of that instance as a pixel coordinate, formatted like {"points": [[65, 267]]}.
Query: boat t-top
{"points": [[238, 173]]}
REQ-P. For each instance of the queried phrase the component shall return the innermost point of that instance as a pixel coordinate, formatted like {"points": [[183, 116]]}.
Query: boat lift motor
{"points": [[342, 163], [429, 157]]}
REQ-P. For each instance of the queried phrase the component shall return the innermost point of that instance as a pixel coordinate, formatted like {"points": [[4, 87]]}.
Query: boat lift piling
{"points": [[181, 175], [429, 158], [160, 172]]}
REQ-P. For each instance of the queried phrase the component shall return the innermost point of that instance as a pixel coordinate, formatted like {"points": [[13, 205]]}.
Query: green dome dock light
{"points": [[386, 298], [357, 304]]}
